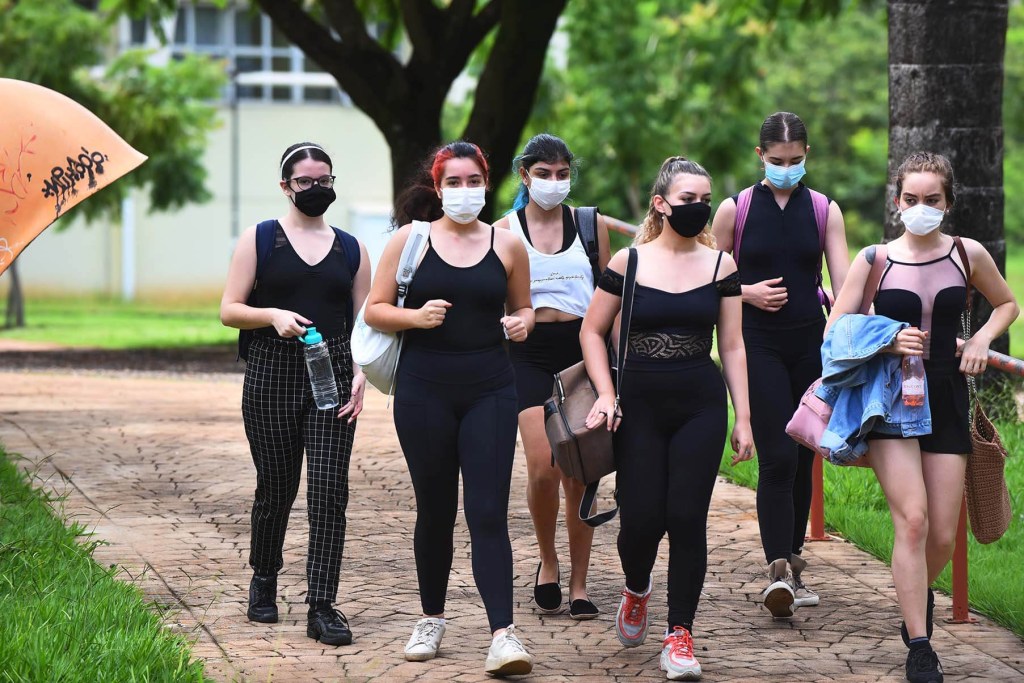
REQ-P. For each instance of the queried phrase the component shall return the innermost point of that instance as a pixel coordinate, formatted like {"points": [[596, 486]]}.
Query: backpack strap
{"points": [[586, 227], [625, 317], [819, 203], [742, 211], [265, 231], [349, 245], [879, 255]]}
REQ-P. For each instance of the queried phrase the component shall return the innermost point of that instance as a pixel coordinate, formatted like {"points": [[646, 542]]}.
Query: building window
{"points": [[268, 67]]}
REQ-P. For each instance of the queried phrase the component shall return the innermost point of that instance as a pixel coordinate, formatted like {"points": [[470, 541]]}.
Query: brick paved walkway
{"points": [[160, 468]]}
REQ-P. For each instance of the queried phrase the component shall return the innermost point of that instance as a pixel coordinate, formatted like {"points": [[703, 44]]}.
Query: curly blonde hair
{"points": [[654, 221]]}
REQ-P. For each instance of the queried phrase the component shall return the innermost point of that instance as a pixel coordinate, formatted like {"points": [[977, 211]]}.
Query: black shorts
{"points": [[550, 348], [948, 401]]}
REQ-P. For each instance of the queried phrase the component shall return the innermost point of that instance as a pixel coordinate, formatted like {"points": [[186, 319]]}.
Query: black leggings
{"points": [[781, 364], [458, 411], [667, 452]]}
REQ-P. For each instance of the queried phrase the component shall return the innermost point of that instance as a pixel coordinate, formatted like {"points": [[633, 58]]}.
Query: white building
{"points": [[282, 98]]}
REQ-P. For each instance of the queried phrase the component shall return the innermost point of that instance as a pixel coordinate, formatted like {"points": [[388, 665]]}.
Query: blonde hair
{"points": [[653, 222]]}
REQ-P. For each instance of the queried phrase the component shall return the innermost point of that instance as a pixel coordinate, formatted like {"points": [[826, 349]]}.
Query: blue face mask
{"points": [[784, 177]]}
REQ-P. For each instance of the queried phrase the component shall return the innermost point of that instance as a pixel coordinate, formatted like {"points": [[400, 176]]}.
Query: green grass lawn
{"points": [[65, 618], [111, 324], [1015, 278], [856, 509]]}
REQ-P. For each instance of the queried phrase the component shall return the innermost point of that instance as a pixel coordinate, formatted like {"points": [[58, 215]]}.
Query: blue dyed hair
{"points": [[543, 147]]}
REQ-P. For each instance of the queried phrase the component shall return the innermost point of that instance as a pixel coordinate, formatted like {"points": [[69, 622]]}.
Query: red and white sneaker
{"points": [[631, 619], [677, 660]]}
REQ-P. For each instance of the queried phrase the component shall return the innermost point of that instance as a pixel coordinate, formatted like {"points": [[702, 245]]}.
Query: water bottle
{"points": [[321, 373], [913, 381]]}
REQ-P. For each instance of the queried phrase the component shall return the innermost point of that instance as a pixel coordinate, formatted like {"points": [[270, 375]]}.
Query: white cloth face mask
{"points": [[921, 219], [548, 193], [463, 204]]}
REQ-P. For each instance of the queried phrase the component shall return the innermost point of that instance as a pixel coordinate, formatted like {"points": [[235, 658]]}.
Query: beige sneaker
{"points": [[781, 592], [507, 656], [803, 596]]}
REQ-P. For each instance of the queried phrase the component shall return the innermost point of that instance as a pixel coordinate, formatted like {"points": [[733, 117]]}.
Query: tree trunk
{"points": [[945, 96], [15, 300]]}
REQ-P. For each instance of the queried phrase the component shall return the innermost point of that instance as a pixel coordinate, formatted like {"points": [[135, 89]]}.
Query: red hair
{"points": [[457, 150]]}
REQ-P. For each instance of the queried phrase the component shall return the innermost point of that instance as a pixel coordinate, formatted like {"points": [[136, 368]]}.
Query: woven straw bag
{"points": [[988, 500]]}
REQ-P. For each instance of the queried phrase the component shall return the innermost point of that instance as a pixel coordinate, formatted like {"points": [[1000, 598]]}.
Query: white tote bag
{"points": [[377, 352]]}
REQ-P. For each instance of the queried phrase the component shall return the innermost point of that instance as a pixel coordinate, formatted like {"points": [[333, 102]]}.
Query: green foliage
{"points": [[65, 617], [164, 112], [856, 508], [109, 324]]}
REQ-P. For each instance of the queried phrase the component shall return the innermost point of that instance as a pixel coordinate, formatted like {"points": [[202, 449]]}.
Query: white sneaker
{"points": [[803, 596], [780, 593], [677, 660], [425, 640], [507, 656]]}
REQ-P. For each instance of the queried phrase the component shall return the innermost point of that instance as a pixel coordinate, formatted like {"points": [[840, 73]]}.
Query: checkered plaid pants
{"points": [[281, 419]]}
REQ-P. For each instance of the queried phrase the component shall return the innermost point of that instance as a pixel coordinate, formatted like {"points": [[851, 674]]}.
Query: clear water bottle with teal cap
{"points": [[321, 373]]}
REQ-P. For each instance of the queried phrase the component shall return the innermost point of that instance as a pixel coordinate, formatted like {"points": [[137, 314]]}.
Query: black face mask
{"points": [[314, 201], [689, 219]]}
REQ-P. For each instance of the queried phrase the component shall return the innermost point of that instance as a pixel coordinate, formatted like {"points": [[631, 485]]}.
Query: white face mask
{"points": [[548, 193], [462, 204], [921, 219]]}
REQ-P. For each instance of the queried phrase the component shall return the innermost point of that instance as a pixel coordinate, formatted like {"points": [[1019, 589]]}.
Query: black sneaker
{"points": [[923, 666], [929, 626], [329, 626], [263, 599]]}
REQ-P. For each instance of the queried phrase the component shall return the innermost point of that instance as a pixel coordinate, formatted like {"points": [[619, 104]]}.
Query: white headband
{"points": [[297, 149]]}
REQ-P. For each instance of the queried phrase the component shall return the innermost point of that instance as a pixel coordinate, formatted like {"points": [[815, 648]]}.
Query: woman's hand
{"points": [[289, 324], [605, 412], [742, 441], [766, 295], [432, 314], [974, 355], [515, 328], [909, 342], [355, 401]]}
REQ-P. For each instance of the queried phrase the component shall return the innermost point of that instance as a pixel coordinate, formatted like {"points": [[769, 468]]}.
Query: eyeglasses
{"points": [[303, 183]]}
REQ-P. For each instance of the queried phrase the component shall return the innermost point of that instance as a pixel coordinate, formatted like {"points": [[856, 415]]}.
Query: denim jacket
{"points": [[864, 387]]}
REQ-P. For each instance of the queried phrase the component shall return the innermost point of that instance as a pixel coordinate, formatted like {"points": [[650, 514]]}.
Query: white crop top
{"points": [[562, 281]]}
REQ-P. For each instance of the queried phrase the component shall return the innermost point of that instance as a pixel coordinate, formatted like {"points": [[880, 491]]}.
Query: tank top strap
{"points": [[714, 278], [492, 238]]}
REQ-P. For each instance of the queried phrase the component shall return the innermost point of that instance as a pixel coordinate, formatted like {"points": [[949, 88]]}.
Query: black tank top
{"points": [[781, 243], [930, 296], [477, 294], [670, 328], [320, 292], [568, 227]]}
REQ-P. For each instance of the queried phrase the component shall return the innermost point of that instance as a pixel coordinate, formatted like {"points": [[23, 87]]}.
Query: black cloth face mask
{"points": [[314, 201], [689, 219]]}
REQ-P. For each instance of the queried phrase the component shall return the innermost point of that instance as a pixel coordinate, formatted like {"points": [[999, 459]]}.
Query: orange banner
{"points": [[54, 153]]}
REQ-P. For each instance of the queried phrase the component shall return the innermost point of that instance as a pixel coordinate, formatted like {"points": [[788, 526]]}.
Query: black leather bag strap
{"points": [[586, 227], [625, 316]]}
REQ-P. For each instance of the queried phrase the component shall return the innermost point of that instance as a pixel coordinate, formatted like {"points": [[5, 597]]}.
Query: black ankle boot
{"points": [[328, 625], [263, 599]]}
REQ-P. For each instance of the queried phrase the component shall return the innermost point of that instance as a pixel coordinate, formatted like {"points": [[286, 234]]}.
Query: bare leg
{"points": [[581, 538], [897, 464], [542, 493], [944, 480]]}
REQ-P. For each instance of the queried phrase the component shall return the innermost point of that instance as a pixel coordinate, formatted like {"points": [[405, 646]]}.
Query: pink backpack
{"points": [[820, 204]]}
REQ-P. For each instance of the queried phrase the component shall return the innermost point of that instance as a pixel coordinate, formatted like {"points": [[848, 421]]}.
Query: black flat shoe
{"points": [[583, 609], [263, 599], [329, 626], [548, 596]]}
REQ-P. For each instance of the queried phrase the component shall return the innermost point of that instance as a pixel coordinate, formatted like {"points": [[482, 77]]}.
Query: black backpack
{"points": [[264, 248], [586, 226]]}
